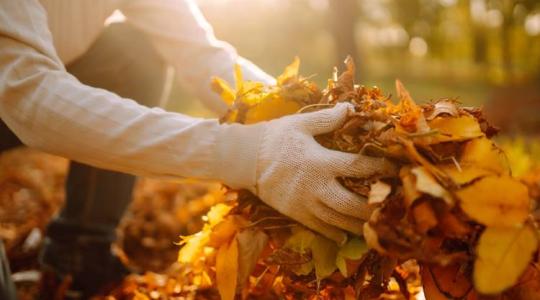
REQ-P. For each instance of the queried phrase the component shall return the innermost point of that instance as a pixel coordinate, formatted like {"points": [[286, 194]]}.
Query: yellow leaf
{"points": [[354, 249], [324, 252], [291, 71], [193, 246], [502, 256], [217, 213], [300, 240], [227, 270], [304, 269], [271, 108], [341, 264], [454, 129], [496, 201], [483, 153], [226, 93]]}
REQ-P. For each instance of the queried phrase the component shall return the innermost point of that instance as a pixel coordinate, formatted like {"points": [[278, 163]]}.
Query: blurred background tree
{"points": [[484, 52]]}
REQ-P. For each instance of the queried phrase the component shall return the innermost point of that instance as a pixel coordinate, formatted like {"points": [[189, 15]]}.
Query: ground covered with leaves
{"points": [[453, 223]]}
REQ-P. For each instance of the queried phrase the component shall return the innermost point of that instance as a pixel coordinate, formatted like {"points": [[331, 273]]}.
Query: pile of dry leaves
{"points": [[453, 221]]}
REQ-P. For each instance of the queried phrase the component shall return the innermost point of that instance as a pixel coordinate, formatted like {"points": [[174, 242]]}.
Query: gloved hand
{"points": [[297, 176], [281, 162]]}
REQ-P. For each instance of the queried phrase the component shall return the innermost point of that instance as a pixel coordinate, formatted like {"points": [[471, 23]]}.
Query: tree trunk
{"points": [[343, 16]]}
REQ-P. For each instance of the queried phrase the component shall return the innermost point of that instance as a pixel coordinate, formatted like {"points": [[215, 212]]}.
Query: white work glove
{"points": [[297, 176]]}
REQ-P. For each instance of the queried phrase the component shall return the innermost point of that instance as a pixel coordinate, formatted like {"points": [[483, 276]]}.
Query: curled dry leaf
{"points": [[444, 108]]}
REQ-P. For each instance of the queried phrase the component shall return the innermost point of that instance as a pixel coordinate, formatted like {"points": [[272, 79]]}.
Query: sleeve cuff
{"points": [[237, 149]]}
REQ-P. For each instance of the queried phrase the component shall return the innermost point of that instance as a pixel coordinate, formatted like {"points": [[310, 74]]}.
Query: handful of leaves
{"points": [[453, 221]]}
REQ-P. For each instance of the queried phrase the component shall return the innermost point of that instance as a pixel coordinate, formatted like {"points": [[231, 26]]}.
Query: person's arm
{"points": [[186, 41], [49, 109], [278, 160]]}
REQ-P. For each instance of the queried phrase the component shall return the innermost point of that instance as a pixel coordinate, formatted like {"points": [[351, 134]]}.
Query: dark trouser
{"points": [[122, 61]]}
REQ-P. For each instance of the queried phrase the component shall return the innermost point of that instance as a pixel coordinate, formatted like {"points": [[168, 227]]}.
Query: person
{"points": [[71, 86]]}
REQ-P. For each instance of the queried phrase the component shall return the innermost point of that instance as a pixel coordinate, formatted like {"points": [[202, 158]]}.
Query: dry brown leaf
{"points": [[443, 107], [251, 243]]}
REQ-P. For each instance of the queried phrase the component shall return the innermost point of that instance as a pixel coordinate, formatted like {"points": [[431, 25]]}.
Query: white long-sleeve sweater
{"points": [[49, 109]]}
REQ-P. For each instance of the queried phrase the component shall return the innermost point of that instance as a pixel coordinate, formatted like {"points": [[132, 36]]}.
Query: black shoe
{"points": [[79, 270]]}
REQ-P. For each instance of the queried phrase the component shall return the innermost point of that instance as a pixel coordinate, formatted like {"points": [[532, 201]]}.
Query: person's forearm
{"points": [[49, 109], [186, 41]]}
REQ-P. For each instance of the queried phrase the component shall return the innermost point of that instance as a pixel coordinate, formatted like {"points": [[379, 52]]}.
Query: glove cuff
{"points": [[237, 151]]}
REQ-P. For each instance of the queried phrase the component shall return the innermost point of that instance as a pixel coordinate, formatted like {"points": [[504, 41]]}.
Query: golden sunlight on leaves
{"points": [[454, 185]]}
